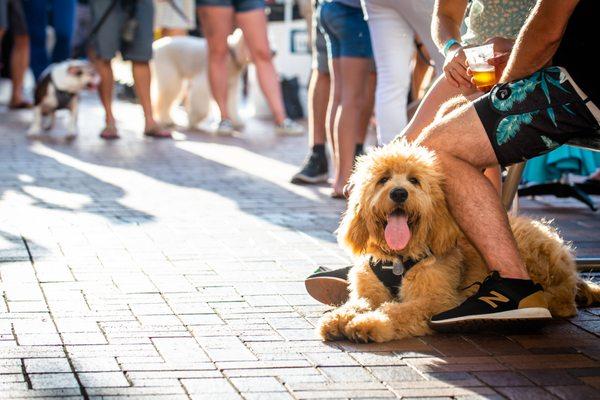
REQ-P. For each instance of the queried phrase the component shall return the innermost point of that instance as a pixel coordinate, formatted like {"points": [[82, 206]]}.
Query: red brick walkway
{"points": [[174, 269]]}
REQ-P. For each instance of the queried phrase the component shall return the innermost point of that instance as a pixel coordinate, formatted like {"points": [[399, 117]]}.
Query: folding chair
{"points": [[511, 186]]}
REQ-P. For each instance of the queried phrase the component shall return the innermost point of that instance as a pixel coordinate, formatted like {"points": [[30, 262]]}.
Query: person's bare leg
{"points": [[440, 92], [19, 62], [254, 25], [368, 110], [318, 95], [105, 89], [217, 24], [347, 128], [335, 93], [463, 148], [141, 79]]}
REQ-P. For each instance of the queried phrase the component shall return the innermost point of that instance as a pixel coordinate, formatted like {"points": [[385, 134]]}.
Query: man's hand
{"points": [[455, 68], [502, 50]]}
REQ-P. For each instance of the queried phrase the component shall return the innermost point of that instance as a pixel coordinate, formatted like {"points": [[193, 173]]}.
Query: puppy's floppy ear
{"points": [[353, 232], [446, 230], [443, 229]]}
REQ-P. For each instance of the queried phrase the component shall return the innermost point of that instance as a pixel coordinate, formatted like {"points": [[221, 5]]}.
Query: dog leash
{"points": [[390, 273], [131, 6], [178, 11]]}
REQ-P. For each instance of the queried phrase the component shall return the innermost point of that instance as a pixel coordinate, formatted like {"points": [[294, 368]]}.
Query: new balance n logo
{"points": [[497, 297]]}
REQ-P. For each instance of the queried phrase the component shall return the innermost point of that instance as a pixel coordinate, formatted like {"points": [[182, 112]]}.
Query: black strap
{"points": [[81, 51], [390, 273], [178, 11]]}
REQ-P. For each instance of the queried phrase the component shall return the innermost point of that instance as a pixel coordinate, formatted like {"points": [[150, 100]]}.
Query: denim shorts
{"points": [[534, 115], [238, 5], [319, 46], [346, 31], [108, 40]]}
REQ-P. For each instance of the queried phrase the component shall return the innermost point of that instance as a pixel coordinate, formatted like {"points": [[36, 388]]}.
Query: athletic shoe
{"points": [[313, 170], [499, 302], [225, 127], [328, 286], [289, 127]]}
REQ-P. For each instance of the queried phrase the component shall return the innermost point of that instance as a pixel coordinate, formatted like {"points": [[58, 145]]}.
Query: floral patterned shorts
{"points": [[535, 115]]}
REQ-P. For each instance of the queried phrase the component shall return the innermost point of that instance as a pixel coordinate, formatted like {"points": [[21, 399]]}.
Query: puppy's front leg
{"points": [[366, 294], [425, 292], [36, 124], [74, 109]]}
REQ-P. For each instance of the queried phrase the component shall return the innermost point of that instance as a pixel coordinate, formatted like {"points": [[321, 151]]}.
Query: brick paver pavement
{"points": [[174, 269]]}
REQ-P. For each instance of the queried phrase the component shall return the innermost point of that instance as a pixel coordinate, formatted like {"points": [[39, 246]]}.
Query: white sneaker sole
{"points": [[300, 178], [524, 318]]}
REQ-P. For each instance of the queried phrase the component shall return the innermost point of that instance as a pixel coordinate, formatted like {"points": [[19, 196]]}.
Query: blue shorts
{"points": [[346, 31], [238, 5]]}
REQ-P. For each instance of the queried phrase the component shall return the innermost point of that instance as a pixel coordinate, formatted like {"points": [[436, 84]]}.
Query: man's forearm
{"points": [[446, 21], [539, 38]]}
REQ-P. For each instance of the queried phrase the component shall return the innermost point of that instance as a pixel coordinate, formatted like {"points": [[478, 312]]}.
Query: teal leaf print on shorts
{"points": [[550, 144], [522, 88], [551, 115], [510, 126], [519, 92]]}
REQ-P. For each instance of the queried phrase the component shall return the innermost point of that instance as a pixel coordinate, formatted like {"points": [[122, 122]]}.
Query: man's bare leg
{"points": [[472, 199], [318, 93], [19, 62], [105, 89]]}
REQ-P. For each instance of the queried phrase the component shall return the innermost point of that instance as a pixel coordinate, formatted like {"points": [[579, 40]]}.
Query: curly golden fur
{"points": [[433, 285]]}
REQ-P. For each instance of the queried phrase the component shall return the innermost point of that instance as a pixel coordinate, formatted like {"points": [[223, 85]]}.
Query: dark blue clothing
{"points": [[61, 15]]}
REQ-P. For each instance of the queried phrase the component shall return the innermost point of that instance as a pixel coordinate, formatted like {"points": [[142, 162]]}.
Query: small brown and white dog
{"points": [[181, 63], [379, 227], [58, 88]]}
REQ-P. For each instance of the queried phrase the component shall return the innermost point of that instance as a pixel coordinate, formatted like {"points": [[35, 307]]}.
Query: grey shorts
{"points": [[108, 41], [320, 60]]}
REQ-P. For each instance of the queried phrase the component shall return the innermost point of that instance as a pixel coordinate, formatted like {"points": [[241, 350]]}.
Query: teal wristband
{"points": [[449, 43]]}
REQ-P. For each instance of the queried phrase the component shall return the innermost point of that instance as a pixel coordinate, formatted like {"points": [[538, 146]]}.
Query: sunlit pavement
{"points": [[174, 269]]}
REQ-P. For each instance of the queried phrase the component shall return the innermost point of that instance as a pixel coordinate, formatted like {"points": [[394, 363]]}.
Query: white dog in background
{"points": [[58, 88], [182, 61]]}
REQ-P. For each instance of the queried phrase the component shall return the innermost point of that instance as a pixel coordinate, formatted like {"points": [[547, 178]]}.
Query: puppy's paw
{"points": [[370, 327], [331, 325]]}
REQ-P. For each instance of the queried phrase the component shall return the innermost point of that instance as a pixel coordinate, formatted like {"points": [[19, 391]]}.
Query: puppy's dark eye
{"points": [[383, 180], [413, 180]]}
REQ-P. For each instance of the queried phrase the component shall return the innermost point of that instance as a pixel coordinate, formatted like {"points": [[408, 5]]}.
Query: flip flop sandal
{"points": [[109, 133], [23, 105], [158, 133], [336, 195]]}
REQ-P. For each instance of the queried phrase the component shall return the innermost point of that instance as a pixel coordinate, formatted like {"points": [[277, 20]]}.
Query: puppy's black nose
{"points": [[398, 195]]}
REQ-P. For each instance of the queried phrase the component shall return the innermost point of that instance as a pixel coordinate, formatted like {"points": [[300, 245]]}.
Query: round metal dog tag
{"points": [[398, 268]]}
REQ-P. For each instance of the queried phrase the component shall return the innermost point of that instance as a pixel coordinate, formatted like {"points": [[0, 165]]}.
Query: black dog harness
{"points": [[390, 273], [63, 97]]}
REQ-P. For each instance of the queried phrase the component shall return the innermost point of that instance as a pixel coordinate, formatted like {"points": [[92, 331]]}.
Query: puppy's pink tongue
{"points": [[397, 233]]}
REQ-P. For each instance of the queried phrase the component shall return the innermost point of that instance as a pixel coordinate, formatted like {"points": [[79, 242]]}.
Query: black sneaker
{"points": [[329, 286], [499, 302], [314, 169]]}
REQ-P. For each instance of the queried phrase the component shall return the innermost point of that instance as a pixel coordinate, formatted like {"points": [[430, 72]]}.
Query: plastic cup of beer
{"points": [[484, 74]]}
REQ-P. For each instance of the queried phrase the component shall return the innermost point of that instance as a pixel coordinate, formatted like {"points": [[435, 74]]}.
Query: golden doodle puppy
{"points": [[397, 210]]}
